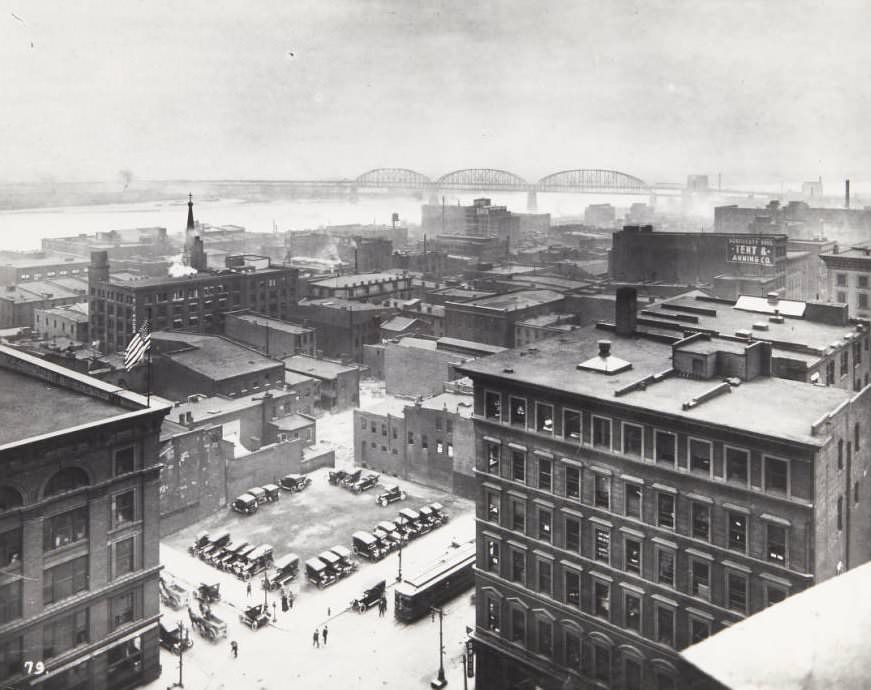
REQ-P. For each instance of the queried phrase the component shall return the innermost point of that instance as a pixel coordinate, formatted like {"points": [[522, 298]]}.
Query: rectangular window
{"points": [[493, 506], [774, 594], [438, 423], [493, 406], [518, 566], [123, 610], [776, 543], [518, 626], [440, 448], [602, 433], [665, 625], [602, 545], [776, 475], [701, 521], [544, 418], [517, 407], [123, 557], [123, 508], [666, 448], [518, 466], [632, 611], [632, 440], [841, 279], [632, 555], [572, 426], [545, 638], [545, 474], [737, 532], [665, 566], [602, 497], [573, 482], [544, 524], [494, 451], [65, 633], [840, 513], [518, 515], [737, 463], [665, 510], [601, 599], [65, 580], [700, 578], [10, 601], [492, 555], [700, 456], [10, 547], [545, 576], [493, 615], [424, 442], [411, 439], [66, 528], [573, 588], [573, 534], [632, 499], [736, 591], [700, 629], [125, 460], [363, 423]]}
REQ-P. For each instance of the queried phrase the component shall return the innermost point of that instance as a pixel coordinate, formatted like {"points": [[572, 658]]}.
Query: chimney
{"points": [[355, 260], [847, 194], [198, 255], [627, 306], [99, 270], [604, 348], [773, 297]]}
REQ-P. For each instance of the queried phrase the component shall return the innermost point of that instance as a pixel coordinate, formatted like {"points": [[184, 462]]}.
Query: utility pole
{"points": [[439, 681], [182, 639], [399, 574]]}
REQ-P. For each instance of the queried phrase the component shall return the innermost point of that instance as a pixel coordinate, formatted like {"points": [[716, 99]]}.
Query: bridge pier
{"points": [[532, 200], [354, 195]]}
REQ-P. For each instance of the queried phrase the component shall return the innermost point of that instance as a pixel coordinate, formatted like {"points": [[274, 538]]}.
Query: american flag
{"points": [[139, 344]]}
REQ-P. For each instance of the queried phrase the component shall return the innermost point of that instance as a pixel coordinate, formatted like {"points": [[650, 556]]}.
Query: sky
{"points": [[757, 90]]}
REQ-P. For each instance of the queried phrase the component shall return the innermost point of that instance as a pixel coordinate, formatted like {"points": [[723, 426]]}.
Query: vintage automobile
{"points": [[295, 482], [229, 554], [389, 535], [438, 513], [285, 570], [201, 541], [273, 493], [319, 573], [172, 594], [208, 594], [409, 522], [390, 494], [230, 561], [256, 562], [336, 477], [365, 483], [175, 639], [217, 543], [255, 617], [351, 478], [370, 597], [259, 493], [334, 563], [207, 623], [217, 554], [366, 546], [245, 504], [346, 564]]}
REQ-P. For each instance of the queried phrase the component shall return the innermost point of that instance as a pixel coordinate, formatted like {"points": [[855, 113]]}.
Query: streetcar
{"points": [[438, 583]]}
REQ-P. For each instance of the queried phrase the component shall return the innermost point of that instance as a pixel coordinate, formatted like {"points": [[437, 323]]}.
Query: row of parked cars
{"points": [[250, 502], [390, 535], [243, 559], [354, 481], [330, 566]]}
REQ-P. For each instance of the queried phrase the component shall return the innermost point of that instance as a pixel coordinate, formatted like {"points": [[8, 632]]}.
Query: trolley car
{"points": [[441, 581]]}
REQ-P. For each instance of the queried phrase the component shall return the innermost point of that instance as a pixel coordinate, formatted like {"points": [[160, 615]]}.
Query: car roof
{"points": [[285, 561], [315, 564], [245, 497], [342, 551], [364, 537]]}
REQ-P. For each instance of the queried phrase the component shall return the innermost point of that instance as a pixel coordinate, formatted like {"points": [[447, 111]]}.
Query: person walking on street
{"points": [[284, 602], [290, 598], [234, 647], [248, 589], [325, 635], [316, 640]]}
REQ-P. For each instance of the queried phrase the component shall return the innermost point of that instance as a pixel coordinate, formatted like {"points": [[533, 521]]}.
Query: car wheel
{"points": [[382, 501]]}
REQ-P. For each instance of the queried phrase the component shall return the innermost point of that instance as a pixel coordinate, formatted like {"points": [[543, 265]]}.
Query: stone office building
{"points": [[636, 496], [79, 529]]}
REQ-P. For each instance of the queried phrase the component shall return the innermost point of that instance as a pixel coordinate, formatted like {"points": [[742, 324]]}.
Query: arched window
{"points": [[66, 479], [9, 498]]}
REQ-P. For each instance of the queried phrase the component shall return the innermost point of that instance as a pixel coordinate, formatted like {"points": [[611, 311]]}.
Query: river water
{"points": [[23, 229]]}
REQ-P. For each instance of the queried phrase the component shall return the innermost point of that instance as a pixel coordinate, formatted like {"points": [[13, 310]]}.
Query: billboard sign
{"points": [[751, 250]]}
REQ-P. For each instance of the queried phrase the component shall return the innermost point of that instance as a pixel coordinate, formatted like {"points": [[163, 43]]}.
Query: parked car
{"points": [[259, 493], [337, 476], [346, 564], [409, 522], [200, 542], [295, 482], [390, 494], [273, 493], [208, 594], [216, 543], [245, 504], [366, 546], [318, 573], [231, 560], [439, 514], [175, 639], [351, 478], [208, 624], [365, 483], [388, 532], [258, 561], [334, 563], [370, 597], [172, 594], [255, 617], [230, 554], [285, 570]]}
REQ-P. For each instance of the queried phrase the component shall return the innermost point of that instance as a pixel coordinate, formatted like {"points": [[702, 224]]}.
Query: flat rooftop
{"points": [[461, 294], [213, 406], [293, 422], [273, 324], [47, 260], [515, 301], [551, 319], [398, 323], [350, 279], [452, 402], [857, 252], [291, 378], [339, 303], [446, 343], [755, 406], [201, 277], [318, 368], [211, 355]]}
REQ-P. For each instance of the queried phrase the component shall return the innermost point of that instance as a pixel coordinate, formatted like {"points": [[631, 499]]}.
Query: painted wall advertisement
{"points": [[751, 250]]}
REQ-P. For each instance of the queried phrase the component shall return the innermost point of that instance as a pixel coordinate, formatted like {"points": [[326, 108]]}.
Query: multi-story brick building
{"points": [[640, 493], [365, 287], [79, 523], [848, 279], [342, 326], [69, 321], [18, 267], [274, 337]]}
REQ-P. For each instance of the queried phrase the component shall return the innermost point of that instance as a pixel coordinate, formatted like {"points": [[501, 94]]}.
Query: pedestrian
{"points": [[290, 598], [328, 611], [234, 647], [325, 635], [248, 590], [316, 640], [284, 602]]}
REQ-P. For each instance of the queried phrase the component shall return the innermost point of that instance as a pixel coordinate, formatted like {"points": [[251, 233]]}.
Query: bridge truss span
{"points": [[481, 178], [400, 178], [586, 180]]}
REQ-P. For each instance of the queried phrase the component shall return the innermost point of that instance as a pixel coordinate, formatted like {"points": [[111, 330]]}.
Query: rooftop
{"points": [[338, 303], [350, 279], [213, 406], [319, 368], [274, 324], [293, 422], [813, 639], [510, 270], [36, 291], [755, 406], [291, 378], [210, 355], [858, 252], [201, 277], [514, 301], [395, 407], [446, 343], [462, 294], [398, 323], [40, 259], [552, 319], [75, 312], [452, 402]]}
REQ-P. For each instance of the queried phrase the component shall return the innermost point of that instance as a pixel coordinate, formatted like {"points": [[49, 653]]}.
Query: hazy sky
{"points": [[660, 89]]}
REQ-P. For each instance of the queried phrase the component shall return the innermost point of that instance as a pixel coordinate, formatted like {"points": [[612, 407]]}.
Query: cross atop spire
{"points": [[190, 225]]}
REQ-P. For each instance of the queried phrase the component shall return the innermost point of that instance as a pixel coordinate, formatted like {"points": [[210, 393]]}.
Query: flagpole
{"points": [[148, 384]]}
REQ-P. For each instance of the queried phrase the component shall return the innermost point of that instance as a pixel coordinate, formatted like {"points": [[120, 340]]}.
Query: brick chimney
{"points": [[626, 311]]}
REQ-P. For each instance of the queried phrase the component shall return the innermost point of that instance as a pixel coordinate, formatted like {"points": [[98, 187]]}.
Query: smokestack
{"points": [[847, 194], [627, 306], [355, 259], [99, 269]]}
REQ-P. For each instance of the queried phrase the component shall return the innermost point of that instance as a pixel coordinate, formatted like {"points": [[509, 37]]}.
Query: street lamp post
{"points": [[399, 573], [440, 681]]}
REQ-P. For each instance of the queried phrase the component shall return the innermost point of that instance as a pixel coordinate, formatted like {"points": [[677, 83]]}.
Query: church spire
{"points": [[190, 225]]}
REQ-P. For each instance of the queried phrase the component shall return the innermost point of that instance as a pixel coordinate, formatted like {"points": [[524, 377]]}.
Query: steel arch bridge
{"points": [[482, 178], [583, 180], [402, 178]]}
